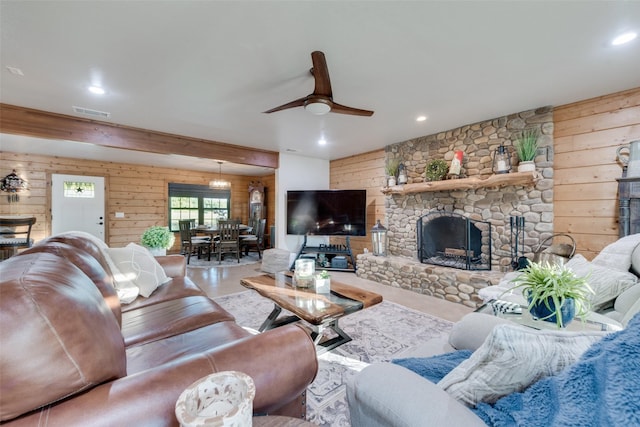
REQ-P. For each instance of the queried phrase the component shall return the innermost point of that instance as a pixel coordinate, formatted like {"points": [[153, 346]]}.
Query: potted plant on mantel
{"points": [[391, 168], [527, 148], [554, 292], [157, 239]]}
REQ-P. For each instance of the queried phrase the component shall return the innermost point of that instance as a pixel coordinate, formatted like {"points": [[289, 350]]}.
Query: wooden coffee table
{"points": [[320, 312]]}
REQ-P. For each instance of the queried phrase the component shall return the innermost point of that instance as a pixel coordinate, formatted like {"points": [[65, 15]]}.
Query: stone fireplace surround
{"points": [[478, 141]]}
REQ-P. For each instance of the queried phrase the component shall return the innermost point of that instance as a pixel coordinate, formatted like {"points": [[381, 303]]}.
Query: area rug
{"points": [[379, 333], [228, 261]]}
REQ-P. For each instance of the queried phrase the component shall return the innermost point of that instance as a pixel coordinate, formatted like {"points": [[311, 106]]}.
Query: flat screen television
{"points": [[327, 212]]}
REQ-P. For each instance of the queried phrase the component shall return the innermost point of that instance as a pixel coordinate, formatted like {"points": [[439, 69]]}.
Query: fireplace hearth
{"points": [[453, 240]]}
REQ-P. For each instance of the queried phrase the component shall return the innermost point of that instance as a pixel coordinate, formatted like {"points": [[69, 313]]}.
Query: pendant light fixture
{"points": [[220, 184]]}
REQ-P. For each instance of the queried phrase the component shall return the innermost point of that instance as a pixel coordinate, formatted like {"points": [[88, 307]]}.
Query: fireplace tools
{"points": [[517, 230]]}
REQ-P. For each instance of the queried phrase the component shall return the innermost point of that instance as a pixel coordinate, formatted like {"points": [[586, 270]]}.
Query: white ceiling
{"points": [[207, 69]]}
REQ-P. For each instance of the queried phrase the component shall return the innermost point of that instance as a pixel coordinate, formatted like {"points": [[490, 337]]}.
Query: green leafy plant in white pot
{"points": [[157, 239], [391, 168], [527, 148], [554, 292], [322, 282]]}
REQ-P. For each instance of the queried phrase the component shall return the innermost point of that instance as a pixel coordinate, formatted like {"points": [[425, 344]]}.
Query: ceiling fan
{"points": [[321, 100]]}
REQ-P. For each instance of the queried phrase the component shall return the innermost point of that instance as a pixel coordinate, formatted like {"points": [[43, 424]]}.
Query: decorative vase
{"points": [[304, 271], [391, 181], [158, 251], [323, 286], [567, 311], [220, 399], [528, 166]]}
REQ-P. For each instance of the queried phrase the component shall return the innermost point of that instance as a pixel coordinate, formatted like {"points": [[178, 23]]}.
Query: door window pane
{"points": [[79, 189]]}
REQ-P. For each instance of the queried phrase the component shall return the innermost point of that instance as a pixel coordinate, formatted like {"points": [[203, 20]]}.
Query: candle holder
{"points": [[501, 160]]}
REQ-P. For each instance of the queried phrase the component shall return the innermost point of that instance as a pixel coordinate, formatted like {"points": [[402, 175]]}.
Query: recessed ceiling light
{"points": [[96, 90], [624, 38], [322, 141], [421, 118]]}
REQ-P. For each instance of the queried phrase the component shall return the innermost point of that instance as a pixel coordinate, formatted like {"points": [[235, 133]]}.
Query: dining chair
{"points": [[191, 244], [255, 240], [229, 242], [15, 233]]}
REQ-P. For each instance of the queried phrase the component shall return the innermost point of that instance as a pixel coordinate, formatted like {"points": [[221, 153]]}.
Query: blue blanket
{"points": [[436, 367], [601, 389]]}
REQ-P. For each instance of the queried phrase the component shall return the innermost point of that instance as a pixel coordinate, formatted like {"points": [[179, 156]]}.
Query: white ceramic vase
{"points": [[158, 251], [528, 166], [223, 399], [323, 286]]}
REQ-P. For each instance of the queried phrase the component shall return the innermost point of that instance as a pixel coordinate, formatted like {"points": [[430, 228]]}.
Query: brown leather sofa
{"points": [[71, 354]]}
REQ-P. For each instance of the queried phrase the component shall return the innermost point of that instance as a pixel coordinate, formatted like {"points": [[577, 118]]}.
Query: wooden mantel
{"points": [[483, 181]]}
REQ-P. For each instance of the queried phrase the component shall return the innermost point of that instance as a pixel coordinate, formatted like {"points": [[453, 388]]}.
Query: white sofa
{"points": [[386, 394]]}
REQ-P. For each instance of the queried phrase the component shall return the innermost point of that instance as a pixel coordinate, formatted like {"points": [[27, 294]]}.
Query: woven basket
{"points": [[555, 254]]}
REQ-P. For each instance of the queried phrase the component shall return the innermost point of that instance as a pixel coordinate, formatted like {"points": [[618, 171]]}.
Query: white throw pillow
{"points": [[137, 264], [125, 287], [617, 255], [607, 283], [511, 359]]}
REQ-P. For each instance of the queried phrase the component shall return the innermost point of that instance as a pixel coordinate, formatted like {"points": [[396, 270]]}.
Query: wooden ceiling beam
{"points": [[37, 123]]}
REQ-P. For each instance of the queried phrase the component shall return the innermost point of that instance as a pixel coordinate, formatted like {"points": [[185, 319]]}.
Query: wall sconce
{"points": [[501, 160]]}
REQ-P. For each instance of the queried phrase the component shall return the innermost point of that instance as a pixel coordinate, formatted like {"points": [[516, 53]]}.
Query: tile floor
{"points": [[218, 281]]}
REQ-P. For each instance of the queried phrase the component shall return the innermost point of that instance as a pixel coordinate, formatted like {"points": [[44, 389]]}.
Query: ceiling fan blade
{"points": [[343, 109], [321, 74], [297, 103]]}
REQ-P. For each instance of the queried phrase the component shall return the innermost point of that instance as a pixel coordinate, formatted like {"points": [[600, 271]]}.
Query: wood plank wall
{"points": [[586, 137], [364, 171], [141, 192]]}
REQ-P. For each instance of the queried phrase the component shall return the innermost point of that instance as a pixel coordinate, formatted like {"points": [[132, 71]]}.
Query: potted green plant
{"points": [[554, 292], [157, 239], [527, 148], [391, 168], [436, 170]]}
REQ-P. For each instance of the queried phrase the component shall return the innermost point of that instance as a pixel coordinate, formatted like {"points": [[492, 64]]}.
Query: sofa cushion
{"points": [[607, 283], [168, 318], [159, 352], [89, 266], [512, 358], [136, 263], [178, 287], [58, 335], [82, 240]]}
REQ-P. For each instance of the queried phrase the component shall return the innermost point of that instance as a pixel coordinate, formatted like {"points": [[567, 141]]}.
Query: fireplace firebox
{"points": [[453, 240]]}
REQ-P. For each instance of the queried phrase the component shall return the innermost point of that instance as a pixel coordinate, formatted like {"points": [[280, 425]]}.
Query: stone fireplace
{"points": [[453, 240], [493, 205]]}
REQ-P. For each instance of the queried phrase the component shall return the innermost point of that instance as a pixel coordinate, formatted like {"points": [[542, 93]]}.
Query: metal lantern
{"points": [[402, 174], [379, 239], [501, 160]]}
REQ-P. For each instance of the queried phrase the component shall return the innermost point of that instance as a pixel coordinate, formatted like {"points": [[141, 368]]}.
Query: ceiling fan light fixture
{"points": [[220, 184], [317, 107]]}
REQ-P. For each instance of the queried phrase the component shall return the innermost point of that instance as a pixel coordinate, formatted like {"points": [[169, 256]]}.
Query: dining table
{"points": [[213, 231]]}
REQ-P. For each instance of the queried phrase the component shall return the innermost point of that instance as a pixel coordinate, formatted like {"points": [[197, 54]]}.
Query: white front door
{"points": [[77, 204]]}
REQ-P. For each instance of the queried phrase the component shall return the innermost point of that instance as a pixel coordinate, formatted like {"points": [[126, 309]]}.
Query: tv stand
{"points": [[331, 250]]}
